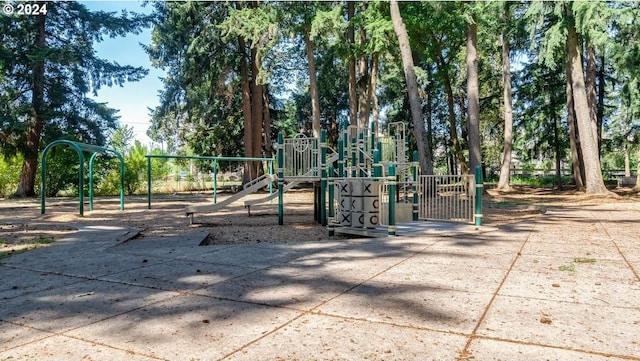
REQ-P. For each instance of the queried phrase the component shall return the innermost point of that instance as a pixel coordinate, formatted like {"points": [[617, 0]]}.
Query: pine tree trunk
{"points": [[246, 109], [574, 143], [588, 143], [627, 161], [426, 163], [601, 94], [373, 84], [313, 83], [257, 108], [475, 156], [505, 168], [363, 93], [353, 96], [26, 184], [590, 85], [556, 145], [453, 129], [428, 113], [266, 125], [364, 99]]}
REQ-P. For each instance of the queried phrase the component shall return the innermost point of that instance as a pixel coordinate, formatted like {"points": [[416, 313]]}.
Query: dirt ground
{"points": [[22, 227]]}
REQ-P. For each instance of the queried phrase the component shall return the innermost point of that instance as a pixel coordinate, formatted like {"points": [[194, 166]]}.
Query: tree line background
{"points": [[553, 84]]}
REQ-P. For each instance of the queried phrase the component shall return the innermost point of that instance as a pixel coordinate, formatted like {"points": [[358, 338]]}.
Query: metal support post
{"points": [[392, 200], [93, 156], [340, 158], [81, 184], [354, 160], [377, 167], [361, 151], [415, 185], [280, 178], [479, 189], [323, 177], [148, 182], [215, 181]]}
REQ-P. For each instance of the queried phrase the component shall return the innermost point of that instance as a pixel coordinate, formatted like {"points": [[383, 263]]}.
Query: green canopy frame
{"points": [[80, 148]]}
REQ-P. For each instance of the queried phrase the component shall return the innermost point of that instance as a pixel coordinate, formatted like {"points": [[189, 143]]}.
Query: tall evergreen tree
{"points": [[48, 66], [426, 162], [473, 101], [588, 140], [505, 167]]}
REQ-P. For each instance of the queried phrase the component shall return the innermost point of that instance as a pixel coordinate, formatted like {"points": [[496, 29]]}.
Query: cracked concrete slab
{"points": [[490, 350], [12, 335], [445, 276], [78, 304], [58, 348], [278, 288], [316, 337], [178, 275], [412, 305], [15, 282], [187, 327], [575, 287], [577, 326]]}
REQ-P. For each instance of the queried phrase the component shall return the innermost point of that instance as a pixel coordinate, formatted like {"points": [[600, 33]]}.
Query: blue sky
{"points": [[134, 98]]}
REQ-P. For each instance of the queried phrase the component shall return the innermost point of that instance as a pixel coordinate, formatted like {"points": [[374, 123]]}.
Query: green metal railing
{"points": [[215, 159], [80, 148]]}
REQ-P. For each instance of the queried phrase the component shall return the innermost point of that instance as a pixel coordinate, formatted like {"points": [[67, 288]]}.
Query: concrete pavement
{"points": [[562, 287]]}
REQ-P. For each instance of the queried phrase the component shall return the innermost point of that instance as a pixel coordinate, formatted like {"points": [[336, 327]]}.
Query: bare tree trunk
{"points": [[475, 155], [556, 143], [246, 109], [373, 84], [313, 83], [364, 93], [627, 161], [26, 184], [574, 142], [464, 125], [601, 93], [426, 164], [429, 116], [353, 96], [257, 108], [453, 129], [266, 124], [505, 168], [590, 87], [588, 143]]}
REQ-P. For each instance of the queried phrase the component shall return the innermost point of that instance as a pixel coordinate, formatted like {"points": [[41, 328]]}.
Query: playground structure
{"points": [[80, 149], [368, 184]]}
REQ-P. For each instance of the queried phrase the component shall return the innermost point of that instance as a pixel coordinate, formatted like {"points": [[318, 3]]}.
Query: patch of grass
{"points": [[40, 242], [584, 260], [45, 240], [567, 268]]}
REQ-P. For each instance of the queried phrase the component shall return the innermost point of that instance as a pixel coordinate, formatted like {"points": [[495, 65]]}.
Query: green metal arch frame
{"points": [[80, 148]]}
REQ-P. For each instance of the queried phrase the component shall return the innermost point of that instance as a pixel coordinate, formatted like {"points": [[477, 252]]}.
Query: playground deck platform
{"points": [[564, 286]]}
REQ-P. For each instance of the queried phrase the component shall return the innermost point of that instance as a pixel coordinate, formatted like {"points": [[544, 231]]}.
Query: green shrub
{"points": [[9, 174]]}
